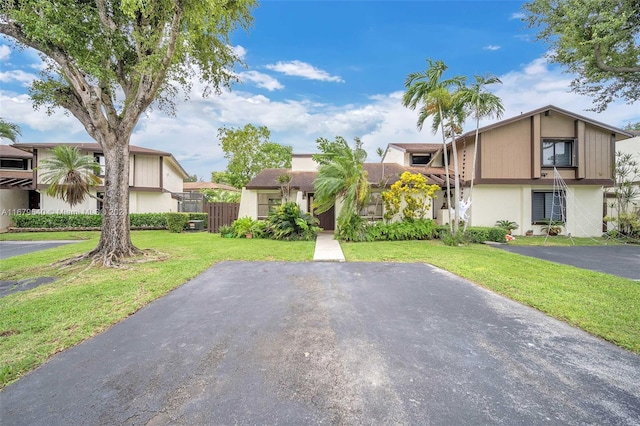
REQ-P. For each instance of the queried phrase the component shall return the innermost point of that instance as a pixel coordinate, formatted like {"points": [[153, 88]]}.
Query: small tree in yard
{"points": [[626, 190], [70, 176], [107, 61], [413, 189]]}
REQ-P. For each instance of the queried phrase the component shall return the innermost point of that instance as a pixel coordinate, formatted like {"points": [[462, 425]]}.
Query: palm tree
{"points": [[9, 131], [70, 175], [341, 175], [435, 95], [481, 104]]}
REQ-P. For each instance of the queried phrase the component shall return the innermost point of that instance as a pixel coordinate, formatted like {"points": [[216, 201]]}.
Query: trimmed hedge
{"points": [[67, 221], [419, 229], [177, 222], [474, 234]]}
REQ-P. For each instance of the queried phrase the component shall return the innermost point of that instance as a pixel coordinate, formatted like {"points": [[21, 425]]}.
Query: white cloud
{"points": [[302, 69], [17, 75], [517, 15], [240, 51], [5, 52], [491, 47], [261, 80]]}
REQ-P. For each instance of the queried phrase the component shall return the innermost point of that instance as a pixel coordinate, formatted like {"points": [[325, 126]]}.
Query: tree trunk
{"points": [[456, 180], [115, 239], [446, 165]]}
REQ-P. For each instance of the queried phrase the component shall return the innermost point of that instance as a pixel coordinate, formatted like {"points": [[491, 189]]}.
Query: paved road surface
{"points": [[623, 261], [332, 343], [15, 248]]}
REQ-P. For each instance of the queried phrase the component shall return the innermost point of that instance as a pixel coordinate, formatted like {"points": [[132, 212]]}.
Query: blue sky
{"points": [[327, 68]]}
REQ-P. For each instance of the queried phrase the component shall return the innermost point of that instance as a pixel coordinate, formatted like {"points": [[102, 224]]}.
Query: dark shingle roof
{"points": [[8, 151], [378, 173]]}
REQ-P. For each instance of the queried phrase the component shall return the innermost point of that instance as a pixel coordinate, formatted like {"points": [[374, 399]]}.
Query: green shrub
{"points": [[478, 235], [176, 222], [355, 229], [204, 217], [242, 227], [259, 229], [148, 220], [419, 229], [496, 234], [506, 224], [226, 231], [55, 220], [288, 222]]}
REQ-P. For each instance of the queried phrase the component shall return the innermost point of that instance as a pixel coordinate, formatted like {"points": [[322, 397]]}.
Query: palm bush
{"points": [[288, 222]]}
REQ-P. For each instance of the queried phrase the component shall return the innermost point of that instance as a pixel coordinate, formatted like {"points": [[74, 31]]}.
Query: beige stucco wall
{"points": [[172, 180], [248, 204], [49, 205], [12, 201], [151, 202], [394, 155], [303, 164], [513, 202]]}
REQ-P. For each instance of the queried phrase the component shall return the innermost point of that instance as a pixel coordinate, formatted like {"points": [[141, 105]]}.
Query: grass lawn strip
{"points": [[602, 304], [84, 301]]}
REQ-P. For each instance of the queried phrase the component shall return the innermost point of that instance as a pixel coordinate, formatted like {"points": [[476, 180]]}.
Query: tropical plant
{"points": [[438, 100], [242, 227], [9, 130], [107, 61], [480, 104], [288, 222], [220, 195], [341, 176], [551, 227], [70, 176], [507, 224], [226, 230]]}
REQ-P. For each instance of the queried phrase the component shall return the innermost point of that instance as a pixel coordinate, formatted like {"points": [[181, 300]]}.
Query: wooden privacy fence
{"points": [[221, 214]]}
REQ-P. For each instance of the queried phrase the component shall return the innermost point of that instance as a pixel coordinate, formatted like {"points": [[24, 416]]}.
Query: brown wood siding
{"points": [[581, 153], [598, 153], [506, 152], [536, 156], [556, 125]]}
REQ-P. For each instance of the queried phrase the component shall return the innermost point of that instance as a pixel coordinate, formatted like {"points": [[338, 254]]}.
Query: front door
{"points": [[327, 219]]}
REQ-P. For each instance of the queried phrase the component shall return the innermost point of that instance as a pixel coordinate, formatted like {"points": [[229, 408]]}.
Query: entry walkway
{"points": [[327, 249]]}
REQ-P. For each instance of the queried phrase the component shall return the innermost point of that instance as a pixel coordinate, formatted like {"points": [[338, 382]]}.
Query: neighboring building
{"points": [[155, 177], [193, 200], [197, 186], [515, 175], [629, 146]]}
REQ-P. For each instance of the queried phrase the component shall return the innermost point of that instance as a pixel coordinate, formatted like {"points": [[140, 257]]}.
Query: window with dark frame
{"points": [[557, 152], [420, 159], [374, 209], [13, 164], [267, 202], [100, 160], [548, 205]]}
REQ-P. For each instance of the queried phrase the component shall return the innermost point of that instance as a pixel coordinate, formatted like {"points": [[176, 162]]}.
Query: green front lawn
{"points": [[84, 301], [602, 304]]}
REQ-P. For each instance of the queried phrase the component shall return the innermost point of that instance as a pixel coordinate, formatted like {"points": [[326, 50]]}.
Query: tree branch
{"points": [[604, 67]]}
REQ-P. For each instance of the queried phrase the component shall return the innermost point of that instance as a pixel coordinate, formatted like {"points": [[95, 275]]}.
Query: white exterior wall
{"points": [[303, 164], [12, 201], [394, 155], [513, 202], [248, 204], [50, 205], [151, 202], [172, 180]]}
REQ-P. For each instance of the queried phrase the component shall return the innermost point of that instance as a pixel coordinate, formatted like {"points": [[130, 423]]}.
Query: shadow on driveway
{"points": [[623, 260], [331, 343]]}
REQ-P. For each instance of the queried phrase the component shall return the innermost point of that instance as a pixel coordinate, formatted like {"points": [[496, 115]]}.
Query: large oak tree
{"points": [[107, 61], [598, 40]]}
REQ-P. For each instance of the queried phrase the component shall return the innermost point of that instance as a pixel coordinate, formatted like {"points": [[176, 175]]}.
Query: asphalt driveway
{"points": [[15, 248], [311, 343], [623, 260]]}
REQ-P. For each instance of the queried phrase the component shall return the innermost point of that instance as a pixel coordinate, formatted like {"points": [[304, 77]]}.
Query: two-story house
{"points": [[545, 164], [155, 179]]}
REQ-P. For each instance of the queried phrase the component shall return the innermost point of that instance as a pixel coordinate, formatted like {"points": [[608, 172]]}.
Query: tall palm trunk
{"points": [[446, 165], [473, 165], [456, 180]]}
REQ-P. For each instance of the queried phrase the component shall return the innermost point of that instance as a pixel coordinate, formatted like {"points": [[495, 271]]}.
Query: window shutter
{"points": [[537, 202]]}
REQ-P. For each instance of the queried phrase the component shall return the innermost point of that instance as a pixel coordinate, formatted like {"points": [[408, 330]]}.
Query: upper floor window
{"points": [[420, 159], [557, 152], [267, 202], [100, 160], [13, 164]]}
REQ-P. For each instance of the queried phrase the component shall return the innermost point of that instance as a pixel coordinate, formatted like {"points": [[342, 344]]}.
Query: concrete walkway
{"points": [[327, 249]]}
